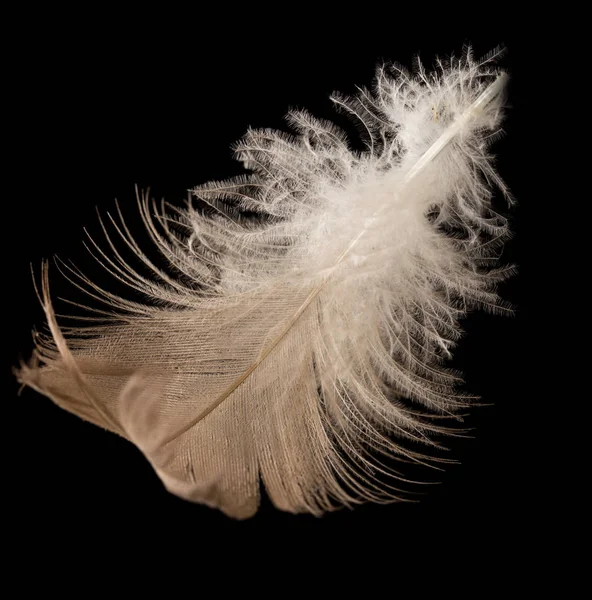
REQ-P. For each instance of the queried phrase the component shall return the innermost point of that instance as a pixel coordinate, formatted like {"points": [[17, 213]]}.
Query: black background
{"points": [[102, 102]]}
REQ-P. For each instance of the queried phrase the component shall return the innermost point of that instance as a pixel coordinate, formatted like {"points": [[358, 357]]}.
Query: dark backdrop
{"points": [[104, 102]]}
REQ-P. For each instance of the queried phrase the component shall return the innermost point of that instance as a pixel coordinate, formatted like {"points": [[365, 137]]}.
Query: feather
{"points": [[299, 334]]}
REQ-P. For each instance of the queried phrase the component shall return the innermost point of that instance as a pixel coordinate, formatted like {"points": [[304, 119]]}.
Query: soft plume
{"points": [[299, 336]]}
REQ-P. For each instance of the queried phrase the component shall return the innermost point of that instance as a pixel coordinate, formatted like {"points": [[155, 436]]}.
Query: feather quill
{"points": [[300, 335]]}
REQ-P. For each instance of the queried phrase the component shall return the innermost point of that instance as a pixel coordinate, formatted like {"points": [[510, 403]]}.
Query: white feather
{"points": [[315, 301]]}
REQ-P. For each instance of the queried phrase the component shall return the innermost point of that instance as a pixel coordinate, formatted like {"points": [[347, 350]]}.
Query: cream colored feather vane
{"points": [[302, 340]]}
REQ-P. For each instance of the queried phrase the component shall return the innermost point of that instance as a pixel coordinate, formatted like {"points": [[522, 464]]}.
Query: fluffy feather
{"points": [[302, 336]]}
